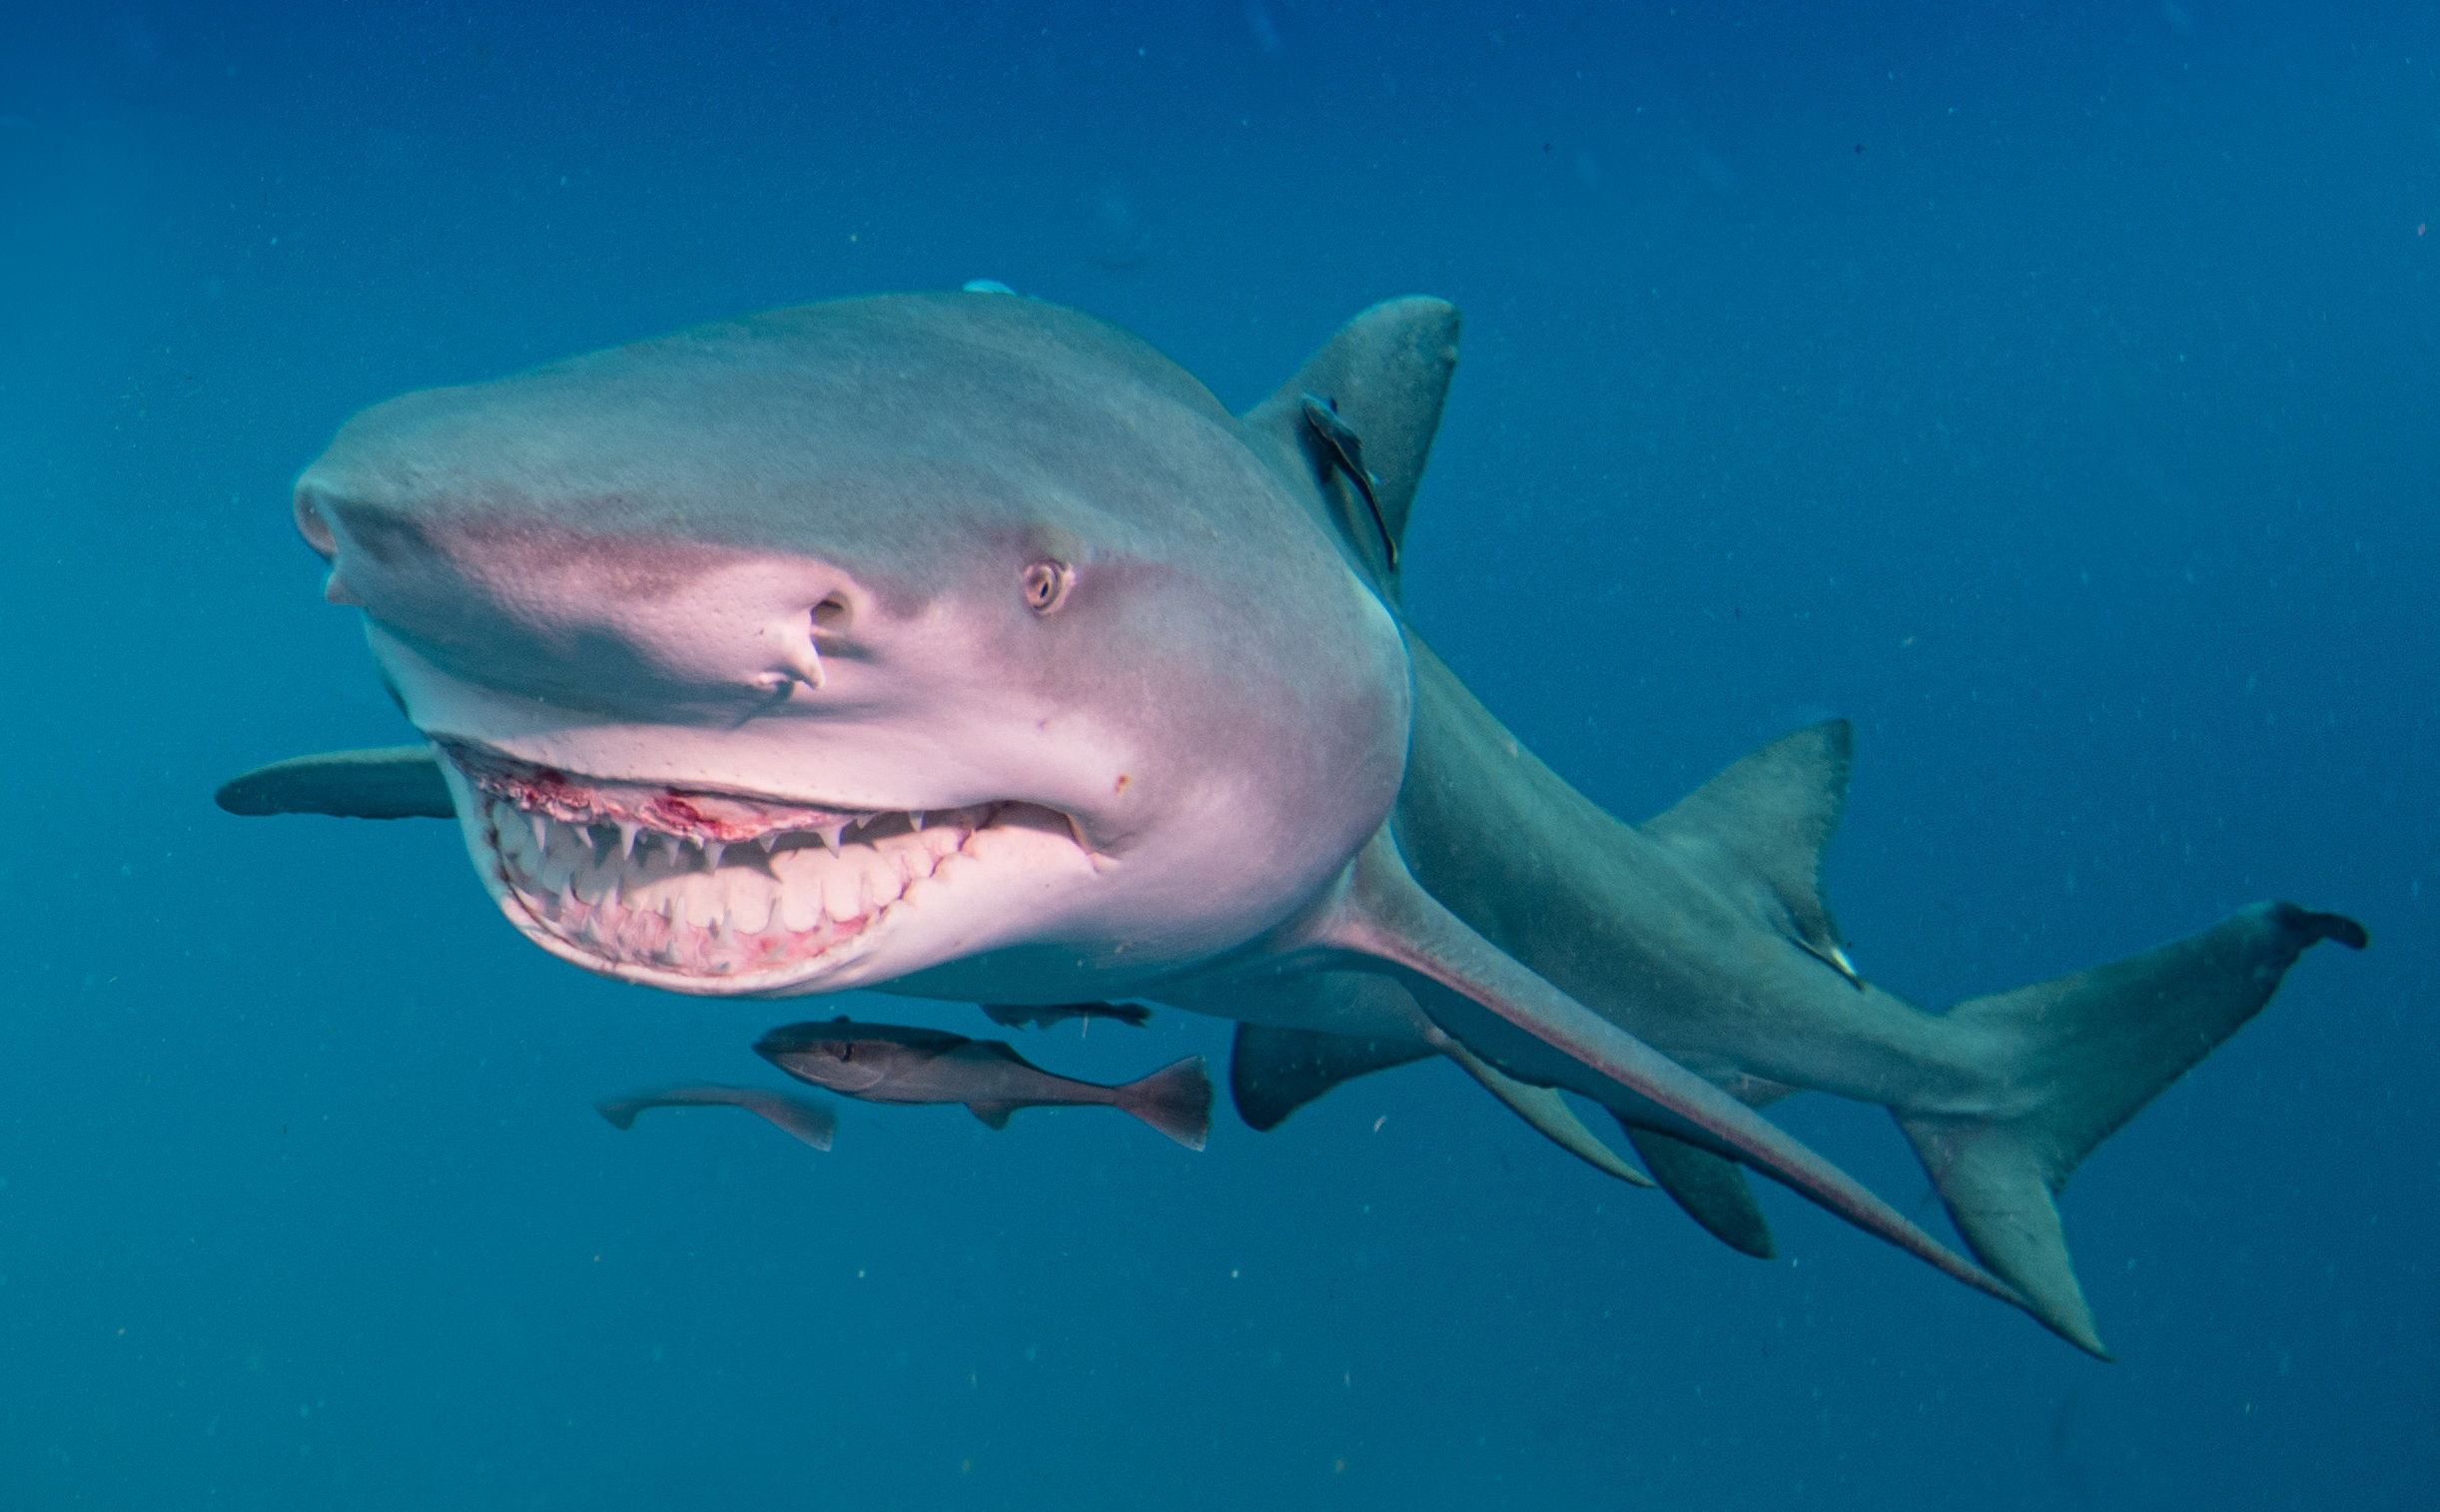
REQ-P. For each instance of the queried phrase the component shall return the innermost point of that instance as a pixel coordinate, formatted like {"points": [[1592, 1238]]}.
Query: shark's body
{"points": [[962, 646]]}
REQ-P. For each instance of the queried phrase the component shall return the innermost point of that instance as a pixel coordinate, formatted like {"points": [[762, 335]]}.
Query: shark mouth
{"points": [[708, 892]]}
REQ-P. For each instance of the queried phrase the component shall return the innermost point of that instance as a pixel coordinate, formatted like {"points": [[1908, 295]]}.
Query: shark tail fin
{"points": [[2079, 1057], [1177, 1099], [1358, 421]]}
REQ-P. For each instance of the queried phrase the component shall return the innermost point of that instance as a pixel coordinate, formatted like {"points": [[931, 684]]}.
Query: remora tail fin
{"points": [[396, 782], [1177, 1099], [2078, 1058], [1386, 374]]}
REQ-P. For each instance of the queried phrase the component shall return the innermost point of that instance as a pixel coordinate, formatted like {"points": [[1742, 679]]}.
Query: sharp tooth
{"points": [[830, 835], [541, 832], [915, 818], [713, 850], [766, 840], [567, 897], [628, 829]]}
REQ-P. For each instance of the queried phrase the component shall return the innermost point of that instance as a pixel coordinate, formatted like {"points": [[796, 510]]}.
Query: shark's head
{"points": [[844, 642]]}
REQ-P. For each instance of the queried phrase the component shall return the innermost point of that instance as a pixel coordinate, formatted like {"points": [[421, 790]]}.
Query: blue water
{"points": [[2054, 394]]}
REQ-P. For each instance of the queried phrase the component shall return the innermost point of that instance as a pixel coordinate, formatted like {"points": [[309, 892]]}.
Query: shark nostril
{"points": [[316, 529], [831, 613]]}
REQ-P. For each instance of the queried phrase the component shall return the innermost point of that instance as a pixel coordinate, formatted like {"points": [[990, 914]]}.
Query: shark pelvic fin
{"points": [[396, 782], [1548, 1112], [993, 1114], [2079, 1057], [1759, 828], [1274, 1072], [1518, 1022], [1379, 386], [1713, 1191]]}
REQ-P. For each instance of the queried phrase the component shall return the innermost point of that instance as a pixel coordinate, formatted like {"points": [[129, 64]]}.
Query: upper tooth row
{"points": [[632, 836]]}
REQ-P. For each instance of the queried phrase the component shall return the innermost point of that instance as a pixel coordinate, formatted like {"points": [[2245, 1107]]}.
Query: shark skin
{"points": [[964, 647]]}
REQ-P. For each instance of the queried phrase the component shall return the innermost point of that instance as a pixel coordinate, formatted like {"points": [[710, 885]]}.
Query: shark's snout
{"points": [[538, 607]]}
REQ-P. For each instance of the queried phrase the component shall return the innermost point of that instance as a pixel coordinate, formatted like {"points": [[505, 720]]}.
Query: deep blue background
{"points": [[2052, 394]]}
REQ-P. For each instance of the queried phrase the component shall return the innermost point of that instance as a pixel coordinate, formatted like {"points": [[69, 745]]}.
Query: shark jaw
{"points": [[739, 895]]}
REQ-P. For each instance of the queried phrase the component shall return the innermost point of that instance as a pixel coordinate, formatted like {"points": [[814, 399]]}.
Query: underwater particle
{"points": [[1339, 1467]]}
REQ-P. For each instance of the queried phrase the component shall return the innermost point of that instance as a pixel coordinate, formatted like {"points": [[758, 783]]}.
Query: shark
{"points": [[964, 646]]}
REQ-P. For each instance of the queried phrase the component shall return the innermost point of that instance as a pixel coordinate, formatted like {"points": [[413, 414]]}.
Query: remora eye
{"points": [[1046, 585]]}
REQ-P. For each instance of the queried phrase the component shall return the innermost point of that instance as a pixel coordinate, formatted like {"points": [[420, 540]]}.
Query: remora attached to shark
{"points": [[964, 646]]}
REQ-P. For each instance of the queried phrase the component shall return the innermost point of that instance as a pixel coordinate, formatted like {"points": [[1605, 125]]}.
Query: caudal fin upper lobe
{"points": [[2077, 1058]]}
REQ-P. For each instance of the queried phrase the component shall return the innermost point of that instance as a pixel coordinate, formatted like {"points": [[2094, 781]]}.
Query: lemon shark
{"points": [[964, 646]]}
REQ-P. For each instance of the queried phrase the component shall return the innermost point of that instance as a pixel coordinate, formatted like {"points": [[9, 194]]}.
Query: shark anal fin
{"points": [[992, 1113], [396, 782], [1274, 1072], [1759, 829], [1713, 1191], [1501, 1011], [2080, 1056]]}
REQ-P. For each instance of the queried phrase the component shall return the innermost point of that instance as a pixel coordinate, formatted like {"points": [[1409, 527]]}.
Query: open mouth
{"points": [[652, 881]]}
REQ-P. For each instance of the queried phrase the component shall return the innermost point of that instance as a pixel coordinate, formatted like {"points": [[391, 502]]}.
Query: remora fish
{"points": [[888, 1062], [808, 1122], [964, 646]]}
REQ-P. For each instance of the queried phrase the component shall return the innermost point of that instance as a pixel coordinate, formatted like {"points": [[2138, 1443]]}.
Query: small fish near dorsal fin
{"points": [[1357, 419], [1759, 829]]}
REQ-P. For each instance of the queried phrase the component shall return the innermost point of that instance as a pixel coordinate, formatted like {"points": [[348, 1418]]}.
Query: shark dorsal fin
{"points": [[1379, 381], [1759, 829]]}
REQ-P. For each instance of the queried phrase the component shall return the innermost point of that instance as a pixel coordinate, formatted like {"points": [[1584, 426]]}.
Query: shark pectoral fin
{"points": [[1508, 1015], [1758, 829], [1713, 1191], [1546, 1111], [396, 782], [993, 1114], [1273, 1071]]}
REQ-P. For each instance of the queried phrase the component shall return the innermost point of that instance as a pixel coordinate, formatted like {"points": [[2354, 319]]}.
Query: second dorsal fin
{"points": [[1759, 829]]}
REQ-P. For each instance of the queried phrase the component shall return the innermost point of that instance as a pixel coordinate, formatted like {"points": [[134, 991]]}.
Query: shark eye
{"points": [[1046, 585]]}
